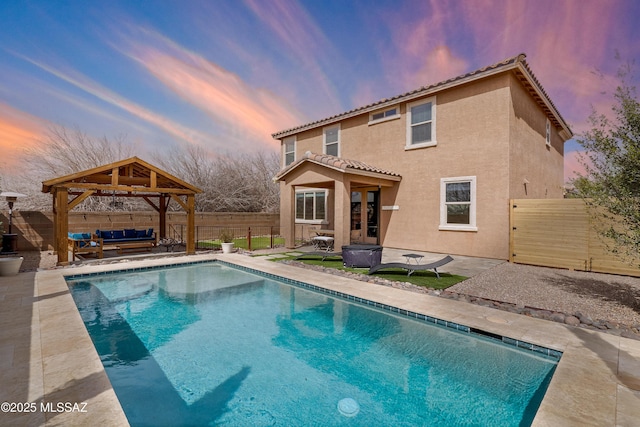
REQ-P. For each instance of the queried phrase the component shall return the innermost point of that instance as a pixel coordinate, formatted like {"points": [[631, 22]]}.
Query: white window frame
{"points": [[324, 138], [433, 142], [314, 220], [387, 115], [285, 152], [548, 133], [472, 204]]}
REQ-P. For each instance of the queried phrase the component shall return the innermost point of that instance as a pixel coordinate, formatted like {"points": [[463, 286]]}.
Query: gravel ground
{"points": [[33, 260], [599, 296]]}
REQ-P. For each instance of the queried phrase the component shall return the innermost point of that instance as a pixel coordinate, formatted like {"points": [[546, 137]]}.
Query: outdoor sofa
{"points": [[128, 235], [129, 239]]}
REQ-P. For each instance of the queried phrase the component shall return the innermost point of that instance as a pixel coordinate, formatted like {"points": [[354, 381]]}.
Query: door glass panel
{"points": [[372, 213], [356, 204]]}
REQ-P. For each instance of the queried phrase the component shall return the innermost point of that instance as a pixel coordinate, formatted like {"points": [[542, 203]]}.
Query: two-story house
{"points": [[432, 169]]}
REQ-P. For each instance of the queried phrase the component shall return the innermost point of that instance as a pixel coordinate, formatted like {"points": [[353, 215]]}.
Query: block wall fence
{"points": [[35, 228]]}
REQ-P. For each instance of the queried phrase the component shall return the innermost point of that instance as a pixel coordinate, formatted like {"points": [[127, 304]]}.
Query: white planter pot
{"points": [[227, 248], [10, 266]]}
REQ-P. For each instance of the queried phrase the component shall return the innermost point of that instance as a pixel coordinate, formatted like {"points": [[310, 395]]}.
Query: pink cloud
{"points": [[418, 54], [19, 131], [248, 114], [569, 45], [440, 64]]}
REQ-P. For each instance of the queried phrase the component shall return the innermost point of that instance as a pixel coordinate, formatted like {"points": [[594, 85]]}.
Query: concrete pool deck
{"points": [[47, 357]]}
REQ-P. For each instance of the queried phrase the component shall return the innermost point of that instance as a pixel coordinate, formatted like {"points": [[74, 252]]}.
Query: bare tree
{"points": [[230, 183], [192, 164], [63, 151]]}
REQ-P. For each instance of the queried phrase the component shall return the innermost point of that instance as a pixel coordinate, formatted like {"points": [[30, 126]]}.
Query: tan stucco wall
{"points": [[480, 132], [530, 157]]}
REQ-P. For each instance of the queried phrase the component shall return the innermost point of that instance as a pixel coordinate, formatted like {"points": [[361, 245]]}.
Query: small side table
{"points": [[415, 257]]}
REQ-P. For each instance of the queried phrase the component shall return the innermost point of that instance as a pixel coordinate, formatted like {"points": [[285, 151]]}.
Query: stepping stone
{"points": [[277, 256]]}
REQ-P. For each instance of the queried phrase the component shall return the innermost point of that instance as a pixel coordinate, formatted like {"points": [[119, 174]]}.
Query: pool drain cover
{"points": [[348, 407]]}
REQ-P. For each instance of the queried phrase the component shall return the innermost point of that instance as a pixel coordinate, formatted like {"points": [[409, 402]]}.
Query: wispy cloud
{"points": [[88, 85], [248, 114], [301, 37]]}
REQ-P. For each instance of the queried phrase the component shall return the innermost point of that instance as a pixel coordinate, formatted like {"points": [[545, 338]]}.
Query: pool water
{"points": [[208, 344]]}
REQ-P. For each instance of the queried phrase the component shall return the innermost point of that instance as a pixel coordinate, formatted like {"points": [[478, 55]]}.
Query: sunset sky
{"points": [[228, 74]]}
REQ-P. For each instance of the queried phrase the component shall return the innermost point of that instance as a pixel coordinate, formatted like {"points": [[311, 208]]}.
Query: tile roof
{"points": [[344, 165], [517, 63]]}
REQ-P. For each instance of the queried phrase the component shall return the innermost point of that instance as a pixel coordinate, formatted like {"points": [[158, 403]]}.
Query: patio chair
{"points": [[84, 243], [413, 267]]}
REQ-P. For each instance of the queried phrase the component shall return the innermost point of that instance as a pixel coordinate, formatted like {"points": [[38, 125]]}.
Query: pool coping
{"points": [[597, 381]]}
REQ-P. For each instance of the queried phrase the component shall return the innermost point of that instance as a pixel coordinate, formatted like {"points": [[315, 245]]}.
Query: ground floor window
{"points": [[458, 203], [311, 205]]}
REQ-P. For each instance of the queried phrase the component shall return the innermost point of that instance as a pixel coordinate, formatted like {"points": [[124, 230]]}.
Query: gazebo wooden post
{"points": [[191, 224], [55, 221], [62, 225], [162, 205]]}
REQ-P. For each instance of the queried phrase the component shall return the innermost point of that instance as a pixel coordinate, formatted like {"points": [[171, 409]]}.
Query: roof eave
{"points": [[566, 132]]}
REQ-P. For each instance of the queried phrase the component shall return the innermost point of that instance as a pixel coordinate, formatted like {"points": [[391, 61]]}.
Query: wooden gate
{"points": [[559, 233]]}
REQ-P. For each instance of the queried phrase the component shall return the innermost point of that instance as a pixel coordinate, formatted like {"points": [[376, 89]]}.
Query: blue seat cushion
{"points": [[80, 236], [105, 234], [118, 234], [130, 233]]}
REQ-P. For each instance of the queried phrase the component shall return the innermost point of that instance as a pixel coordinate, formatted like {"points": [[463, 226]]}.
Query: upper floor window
{"points": [[458, 203], [289, 145], [384, 115], [332, 140], [548, 133], [421, 123]]}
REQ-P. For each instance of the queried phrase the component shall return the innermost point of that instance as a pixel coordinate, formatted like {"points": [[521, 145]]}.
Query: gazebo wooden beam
{"points": [[75, 202], [123, 188], [150, 203], [180, 202], [119, 180]]}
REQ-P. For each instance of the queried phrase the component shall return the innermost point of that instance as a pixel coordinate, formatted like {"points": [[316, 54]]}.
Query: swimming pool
{"points": [[209, 344]]}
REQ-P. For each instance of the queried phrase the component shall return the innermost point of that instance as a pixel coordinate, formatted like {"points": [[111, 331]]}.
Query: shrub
{"points": [[226, 235]]}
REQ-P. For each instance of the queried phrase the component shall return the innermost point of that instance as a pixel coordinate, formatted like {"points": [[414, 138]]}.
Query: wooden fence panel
{"points": [[558, 233]]}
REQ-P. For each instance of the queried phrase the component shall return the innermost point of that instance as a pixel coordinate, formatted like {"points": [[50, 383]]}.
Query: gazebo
{"points": [[131, 177]]}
